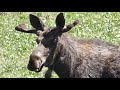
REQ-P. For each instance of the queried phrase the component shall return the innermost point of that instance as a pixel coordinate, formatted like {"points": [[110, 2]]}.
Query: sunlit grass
{"points": [[15, 47]]}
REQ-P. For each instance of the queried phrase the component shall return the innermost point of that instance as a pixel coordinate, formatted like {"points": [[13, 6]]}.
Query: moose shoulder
{"points": [[70, 57]]}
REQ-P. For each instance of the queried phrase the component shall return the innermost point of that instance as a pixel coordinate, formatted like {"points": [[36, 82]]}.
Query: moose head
{"points": [[47, 40]]}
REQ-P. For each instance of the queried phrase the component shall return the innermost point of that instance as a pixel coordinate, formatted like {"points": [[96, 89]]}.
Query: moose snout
{"points": [[36, 60], [35, 65]]}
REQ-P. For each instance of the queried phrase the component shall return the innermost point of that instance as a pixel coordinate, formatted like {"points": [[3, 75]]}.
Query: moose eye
{"points": [[38, 41], [46, 53]]}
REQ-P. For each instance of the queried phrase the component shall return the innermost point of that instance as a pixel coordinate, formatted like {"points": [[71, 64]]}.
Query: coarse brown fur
{"points": [[70, 57]]}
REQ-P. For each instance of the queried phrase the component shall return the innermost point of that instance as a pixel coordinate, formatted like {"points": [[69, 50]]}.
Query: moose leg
{"points": [[48, 73]]}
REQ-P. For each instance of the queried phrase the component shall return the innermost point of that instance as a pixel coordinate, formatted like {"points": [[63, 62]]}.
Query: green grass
{"points": [[15, 47]]}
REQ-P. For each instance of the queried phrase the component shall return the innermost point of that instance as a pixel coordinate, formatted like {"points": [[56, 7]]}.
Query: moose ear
{"points": [[60, 21], [36, 22]]}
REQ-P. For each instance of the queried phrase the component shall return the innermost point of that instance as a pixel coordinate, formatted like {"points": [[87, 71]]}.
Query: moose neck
{"points": [[65, 53]]}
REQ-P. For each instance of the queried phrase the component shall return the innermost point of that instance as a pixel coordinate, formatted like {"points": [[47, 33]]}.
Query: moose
{"points": [[70, 57]]}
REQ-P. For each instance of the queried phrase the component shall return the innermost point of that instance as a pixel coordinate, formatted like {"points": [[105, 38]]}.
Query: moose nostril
{"points": [[29, 67]]}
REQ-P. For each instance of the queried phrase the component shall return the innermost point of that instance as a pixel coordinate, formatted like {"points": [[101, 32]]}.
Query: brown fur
{"points": [[70, 57]]}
